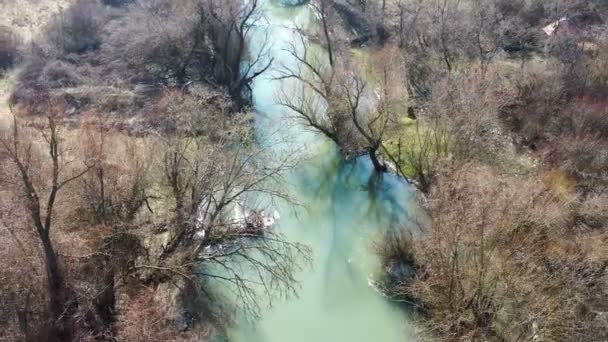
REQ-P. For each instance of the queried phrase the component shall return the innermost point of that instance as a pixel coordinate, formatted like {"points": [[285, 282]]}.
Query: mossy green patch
{"points": [[412, 143], [363, 62]]}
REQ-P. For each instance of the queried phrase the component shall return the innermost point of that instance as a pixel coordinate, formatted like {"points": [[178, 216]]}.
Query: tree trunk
{"points": [[61, 328], [378, 166], [330, 49], [23, 318], [102, 193]]}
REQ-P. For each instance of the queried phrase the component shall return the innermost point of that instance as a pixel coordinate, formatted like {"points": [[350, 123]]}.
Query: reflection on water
{"points": [[345, 206]]}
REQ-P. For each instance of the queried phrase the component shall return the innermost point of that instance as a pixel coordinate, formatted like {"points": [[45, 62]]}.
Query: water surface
{"points": [[345, 206]]}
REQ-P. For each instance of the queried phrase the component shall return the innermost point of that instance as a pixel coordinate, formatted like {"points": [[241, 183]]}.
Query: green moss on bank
{"points": [[412, 142]]}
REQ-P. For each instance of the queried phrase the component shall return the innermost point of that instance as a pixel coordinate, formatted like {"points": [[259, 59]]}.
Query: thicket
{"points": [[506, 258], [131, 52], [9, 49], [132, 240], [513, 248]]}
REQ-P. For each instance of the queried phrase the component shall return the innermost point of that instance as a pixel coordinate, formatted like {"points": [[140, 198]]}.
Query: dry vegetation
{"points": [[512, 250], [131, 144], [116, 242], [114, 58], [505, 258], [117, 224]]}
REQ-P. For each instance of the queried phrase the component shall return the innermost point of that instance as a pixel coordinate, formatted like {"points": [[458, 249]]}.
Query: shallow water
{"points": [[345, 206]]}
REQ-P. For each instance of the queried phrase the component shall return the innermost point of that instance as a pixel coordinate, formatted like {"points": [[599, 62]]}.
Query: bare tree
{"points": [[220, 182], [316, 101], [491, 30], [327, 16], [444, 11], [21, 152], [340, 104], [371, 125], [330, 101], [229, 24]]}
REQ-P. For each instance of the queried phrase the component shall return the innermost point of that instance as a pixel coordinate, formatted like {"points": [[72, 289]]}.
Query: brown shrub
{"points": [[540, 95], [159, 43], [585, 159], [23, 294], [23, 313], [143, 321], [469, 105], [78, 29], [499, 263]]}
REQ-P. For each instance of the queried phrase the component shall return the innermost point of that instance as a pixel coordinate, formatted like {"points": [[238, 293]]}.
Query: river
{"points": [[345, 206]]}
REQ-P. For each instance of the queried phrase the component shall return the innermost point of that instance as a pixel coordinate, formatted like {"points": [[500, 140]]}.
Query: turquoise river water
{"points": [[345, 206]]}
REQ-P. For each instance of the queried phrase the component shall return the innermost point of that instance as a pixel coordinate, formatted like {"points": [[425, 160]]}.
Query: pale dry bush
{"points": [[469, 106], [193, 112], [118, 187], [116, 59], [539, 94], [501, 261], [155, 42], [592, 213]]}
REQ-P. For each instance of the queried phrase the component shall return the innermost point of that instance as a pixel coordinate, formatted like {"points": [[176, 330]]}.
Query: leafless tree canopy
{"points": [[134, 193], [133, 51], [40, 194]]}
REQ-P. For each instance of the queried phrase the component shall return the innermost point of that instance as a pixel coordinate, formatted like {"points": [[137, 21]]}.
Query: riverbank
{"points": [[343, 206], [512, 248], [154, 137]]}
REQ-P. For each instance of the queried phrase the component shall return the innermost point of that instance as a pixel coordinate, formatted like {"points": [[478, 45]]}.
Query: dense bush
{"points": [[78, 29], [469, 106], [499, 263], [514, 247], [126, 49], [9, 48], [157, 44], [540, 96], [559, 110]]}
